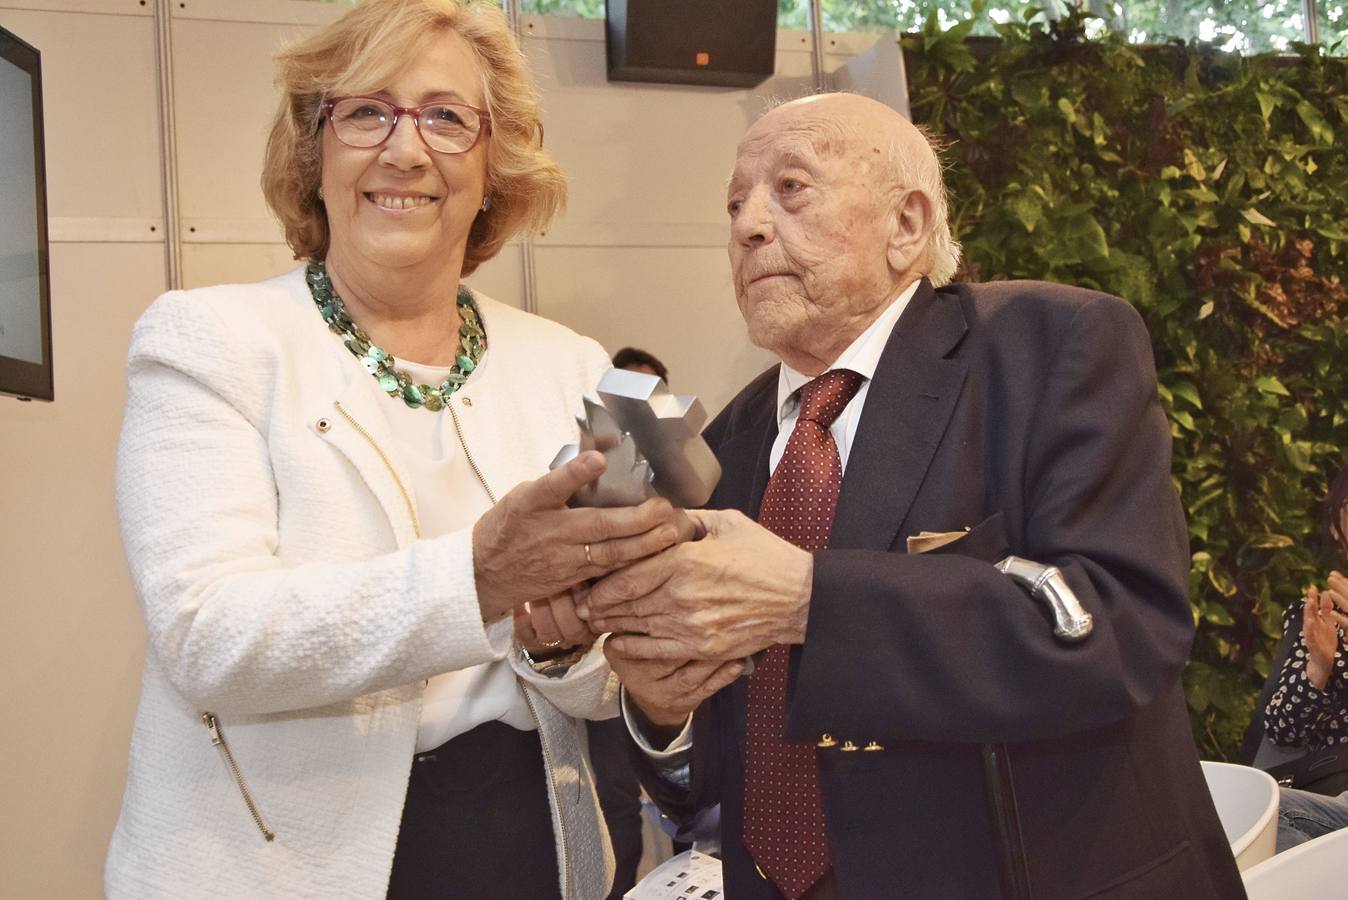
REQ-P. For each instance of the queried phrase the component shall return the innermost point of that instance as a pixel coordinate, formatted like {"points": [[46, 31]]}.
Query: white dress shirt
{"points": [[861, 356]]}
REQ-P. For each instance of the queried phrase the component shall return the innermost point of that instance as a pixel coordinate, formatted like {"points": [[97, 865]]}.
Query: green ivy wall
{"points": [[1212, 192]]}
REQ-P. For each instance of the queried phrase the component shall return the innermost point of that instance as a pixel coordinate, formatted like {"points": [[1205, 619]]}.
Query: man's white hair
{"points": [[926, 174]]}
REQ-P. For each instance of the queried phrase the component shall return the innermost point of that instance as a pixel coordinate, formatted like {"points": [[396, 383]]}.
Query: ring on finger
{"points": [[551, 644], [588, 558]]}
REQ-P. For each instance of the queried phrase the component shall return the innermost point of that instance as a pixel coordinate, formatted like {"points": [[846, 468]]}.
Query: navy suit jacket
{"points": [[1003, 761]]}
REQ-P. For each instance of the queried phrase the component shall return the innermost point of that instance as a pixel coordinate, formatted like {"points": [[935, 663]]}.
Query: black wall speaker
{"points": [[732, 43]]}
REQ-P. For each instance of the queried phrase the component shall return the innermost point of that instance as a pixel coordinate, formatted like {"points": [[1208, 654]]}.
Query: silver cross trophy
{"points": [[652, 440]]}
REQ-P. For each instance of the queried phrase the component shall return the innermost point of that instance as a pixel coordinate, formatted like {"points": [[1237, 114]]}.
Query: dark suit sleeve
{"points": [[944, 647], [681, 804]]}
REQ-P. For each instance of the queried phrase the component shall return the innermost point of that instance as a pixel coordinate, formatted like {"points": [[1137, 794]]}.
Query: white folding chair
{"points": [[1310, 870], [1247, 803]]}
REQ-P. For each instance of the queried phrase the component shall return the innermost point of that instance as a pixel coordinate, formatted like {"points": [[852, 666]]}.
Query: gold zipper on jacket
{"points": [[556, 799], [218, 740], [407, 498], [471, 462]]}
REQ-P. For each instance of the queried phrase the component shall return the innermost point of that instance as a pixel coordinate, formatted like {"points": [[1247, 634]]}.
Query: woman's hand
{"points": [[1322, 613], [531, 545], [551, 627]]}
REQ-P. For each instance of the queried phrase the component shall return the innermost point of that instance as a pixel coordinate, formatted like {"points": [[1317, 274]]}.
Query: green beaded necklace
{"points": [[472, 344]]}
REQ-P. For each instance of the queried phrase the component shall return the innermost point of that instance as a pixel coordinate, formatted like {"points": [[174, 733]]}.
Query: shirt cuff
{"points": [[674, 755]]}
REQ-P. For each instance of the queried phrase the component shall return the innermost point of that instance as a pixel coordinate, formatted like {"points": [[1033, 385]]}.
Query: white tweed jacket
{"points": [[272, 539]]}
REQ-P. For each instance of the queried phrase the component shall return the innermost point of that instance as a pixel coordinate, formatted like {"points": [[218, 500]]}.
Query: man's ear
{"points": [[914, 217]]}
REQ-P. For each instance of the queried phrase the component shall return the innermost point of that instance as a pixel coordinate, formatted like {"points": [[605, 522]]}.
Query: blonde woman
{"points": [[334, 497]]}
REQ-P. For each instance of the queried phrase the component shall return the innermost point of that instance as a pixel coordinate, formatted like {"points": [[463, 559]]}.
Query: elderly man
{"points": [[914, 728]]}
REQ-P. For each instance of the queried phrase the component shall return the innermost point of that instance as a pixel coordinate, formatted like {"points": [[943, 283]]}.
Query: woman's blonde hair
{"points": [[364, 51]]}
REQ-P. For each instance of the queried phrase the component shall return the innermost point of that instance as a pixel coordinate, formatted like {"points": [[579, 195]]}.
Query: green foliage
{"points": [[1212, 192], [1244, 26], [895, 15], [587, 9]]}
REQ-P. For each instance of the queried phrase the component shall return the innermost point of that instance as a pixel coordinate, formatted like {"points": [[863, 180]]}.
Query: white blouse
{"points": [[450, 498]]}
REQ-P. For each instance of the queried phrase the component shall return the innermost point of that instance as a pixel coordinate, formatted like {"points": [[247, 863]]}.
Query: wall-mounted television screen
{"points": [[25, 284]]}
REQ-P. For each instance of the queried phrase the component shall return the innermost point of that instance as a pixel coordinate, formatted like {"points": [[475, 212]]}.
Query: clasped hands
{"points": [[686, 596]]}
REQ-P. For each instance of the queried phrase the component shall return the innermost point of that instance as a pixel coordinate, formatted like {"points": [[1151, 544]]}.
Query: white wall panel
{"points": [[99, 100], [645, 161], [277, 12], [675, 302], [207, 264], [224, 99], [71, 639], [102, 7]]}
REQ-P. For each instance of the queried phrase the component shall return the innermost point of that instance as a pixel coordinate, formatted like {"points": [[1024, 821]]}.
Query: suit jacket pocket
{"points": [[985, 541]]}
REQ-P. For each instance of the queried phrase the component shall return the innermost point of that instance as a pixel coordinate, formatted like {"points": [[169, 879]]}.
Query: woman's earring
{"points": [[486, 203], [320, 193]]}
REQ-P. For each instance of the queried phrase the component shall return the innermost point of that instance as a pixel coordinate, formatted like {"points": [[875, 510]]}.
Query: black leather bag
{"points": [[1321, 772]]}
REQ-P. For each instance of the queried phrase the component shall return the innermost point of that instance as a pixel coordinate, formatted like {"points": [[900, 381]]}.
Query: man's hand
{"points": [[665, 693], [738, 590]]}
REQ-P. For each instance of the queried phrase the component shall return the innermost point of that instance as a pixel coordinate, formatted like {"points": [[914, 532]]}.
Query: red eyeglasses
{"points": [[445, 127]]}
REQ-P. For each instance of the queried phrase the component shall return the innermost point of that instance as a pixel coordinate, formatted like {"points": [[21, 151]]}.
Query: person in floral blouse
{"points": [[1310, 706]]}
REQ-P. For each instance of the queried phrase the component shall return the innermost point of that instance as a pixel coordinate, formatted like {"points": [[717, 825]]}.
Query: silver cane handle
{"points": [[1071, 622]]}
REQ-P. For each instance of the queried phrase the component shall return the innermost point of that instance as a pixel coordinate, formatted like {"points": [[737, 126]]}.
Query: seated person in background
{"points": [[635, 360], [1310, 706]]}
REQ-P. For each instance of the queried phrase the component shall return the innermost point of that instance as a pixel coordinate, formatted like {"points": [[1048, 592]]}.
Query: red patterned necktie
{"points": [[783, 810]]}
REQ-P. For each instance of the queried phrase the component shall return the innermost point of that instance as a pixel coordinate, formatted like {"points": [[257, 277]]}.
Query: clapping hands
{"points": [[1323, 614]]}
